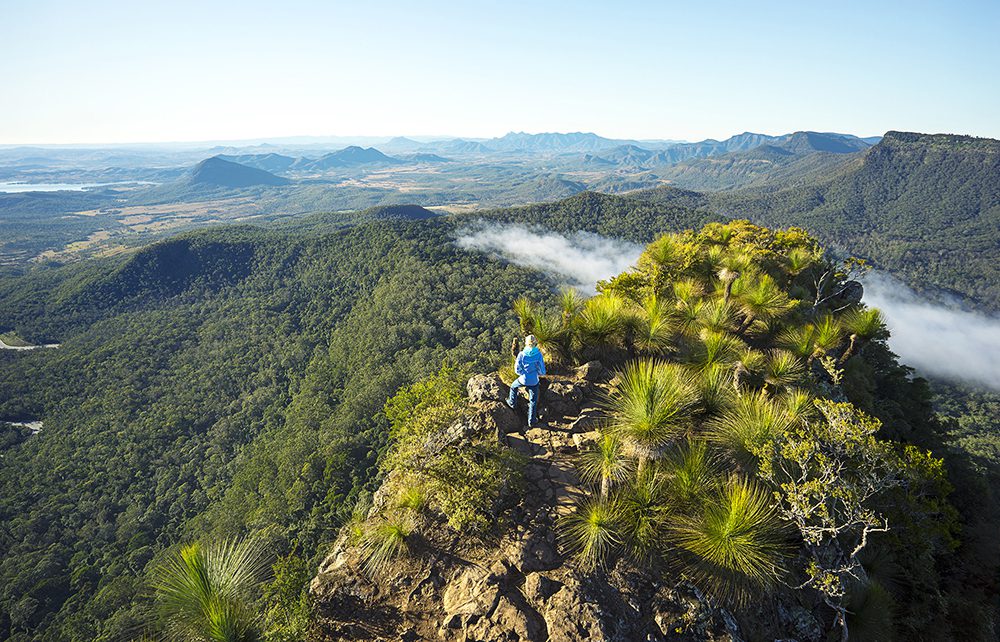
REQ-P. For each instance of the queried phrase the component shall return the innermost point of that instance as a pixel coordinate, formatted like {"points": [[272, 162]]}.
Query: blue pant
{"points": [[532, 398]]}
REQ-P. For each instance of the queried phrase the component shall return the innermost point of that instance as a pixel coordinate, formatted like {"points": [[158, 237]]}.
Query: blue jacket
{"points": [[529, 365]]}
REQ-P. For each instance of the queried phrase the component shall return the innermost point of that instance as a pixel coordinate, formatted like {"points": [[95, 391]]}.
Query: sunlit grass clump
{"points": [[205, 592], [735, 543]]}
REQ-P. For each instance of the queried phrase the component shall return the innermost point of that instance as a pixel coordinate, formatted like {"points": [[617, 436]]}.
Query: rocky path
{"points": [[553, 446]]}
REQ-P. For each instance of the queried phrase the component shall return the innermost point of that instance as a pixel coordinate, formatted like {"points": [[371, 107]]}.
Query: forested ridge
{"points": [[222, 381], [233, 380]]}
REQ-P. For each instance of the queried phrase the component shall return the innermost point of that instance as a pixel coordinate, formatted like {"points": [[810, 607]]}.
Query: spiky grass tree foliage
{"points": [[783, 369], [800, 340], [798, 405], [655, 326], [643, 510], [603, 322], [762, 300], [526, 311], [717, 316], [715, 387], [651, 407], [570, 302], [204, 593], [385, 541], [413, 496], [829, 333], [799, 260], [689, 472], [552, 331], [687, 291], [867, 323], [753, 420], [553, 337], [735, 545], [591, 532], [863, 325], [715, 348], [605, 463], [667, 257]]}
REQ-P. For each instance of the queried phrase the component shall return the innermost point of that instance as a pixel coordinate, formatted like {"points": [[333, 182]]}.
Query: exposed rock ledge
{"points": [[522, 587]]}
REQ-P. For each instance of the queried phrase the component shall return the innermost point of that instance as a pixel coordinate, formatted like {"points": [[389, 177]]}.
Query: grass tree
{"points": [[714, 347], [591, 532], [783, 369], [651, 407], [687, 291], [753, 421], [689, 473], [736, 544], [717, 316], [605, 464], [204, 593], [570, 302], [715, 386], [655, 327], [762, 300], [603, 323], [864, 325], [643, 509], [384, 541], [727, 276]]}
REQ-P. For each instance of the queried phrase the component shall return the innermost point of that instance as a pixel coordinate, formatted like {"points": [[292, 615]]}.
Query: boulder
{"points": [[591, 371], [562, 399], [482, 388]]}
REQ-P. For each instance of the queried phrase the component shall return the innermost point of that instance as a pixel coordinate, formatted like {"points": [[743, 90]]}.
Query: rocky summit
{"points": [[522, 586]]}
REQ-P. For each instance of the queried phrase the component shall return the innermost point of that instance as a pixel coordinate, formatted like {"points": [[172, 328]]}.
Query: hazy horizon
{"points": [[321, 139]]}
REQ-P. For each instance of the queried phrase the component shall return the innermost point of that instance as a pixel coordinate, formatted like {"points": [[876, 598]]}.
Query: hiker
{"points": [[528, 366]]}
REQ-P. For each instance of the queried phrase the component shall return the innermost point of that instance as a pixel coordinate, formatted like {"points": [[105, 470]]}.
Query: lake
{"points": [[16, 188]]}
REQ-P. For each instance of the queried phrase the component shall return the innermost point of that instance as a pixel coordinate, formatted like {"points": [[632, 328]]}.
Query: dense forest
{"points": [[232, 381]]}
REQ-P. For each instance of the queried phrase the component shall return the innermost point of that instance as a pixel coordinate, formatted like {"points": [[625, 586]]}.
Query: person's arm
{"points": [[541, 365], [519, 364]]}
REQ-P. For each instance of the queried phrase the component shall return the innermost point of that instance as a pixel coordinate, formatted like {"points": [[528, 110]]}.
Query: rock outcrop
{"points": [[520, 586]]}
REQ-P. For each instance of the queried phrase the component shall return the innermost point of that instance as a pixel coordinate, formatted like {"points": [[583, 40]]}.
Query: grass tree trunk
{"points": [[605, 487], [854, 345]]}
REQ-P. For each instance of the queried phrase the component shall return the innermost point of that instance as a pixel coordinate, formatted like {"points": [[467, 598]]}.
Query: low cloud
{"points": [[937, 339], [579, 259]]}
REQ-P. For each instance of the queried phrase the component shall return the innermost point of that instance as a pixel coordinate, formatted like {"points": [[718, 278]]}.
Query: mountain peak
{"points": [[221, 172]]}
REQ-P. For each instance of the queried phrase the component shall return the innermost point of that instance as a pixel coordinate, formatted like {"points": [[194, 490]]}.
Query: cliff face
{"points": [[520, 585]]}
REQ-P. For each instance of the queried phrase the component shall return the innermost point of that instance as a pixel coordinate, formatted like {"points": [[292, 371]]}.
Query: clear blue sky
{"points": [[101, 71]]}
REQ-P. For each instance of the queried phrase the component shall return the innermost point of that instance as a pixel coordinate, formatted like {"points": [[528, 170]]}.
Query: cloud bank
{"points": [[579, 259], [936, 339]]}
